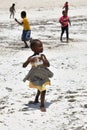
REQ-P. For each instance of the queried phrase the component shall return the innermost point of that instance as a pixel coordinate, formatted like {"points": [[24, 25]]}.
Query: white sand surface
{"points": [[66, 98]]}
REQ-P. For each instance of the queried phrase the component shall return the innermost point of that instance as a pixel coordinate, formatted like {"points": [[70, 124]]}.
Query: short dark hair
{"points": [[33, 42], [63, 12], [13, 4], [23, 13]]}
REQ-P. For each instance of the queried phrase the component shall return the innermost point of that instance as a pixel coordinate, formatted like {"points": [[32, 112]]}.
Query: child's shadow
{"points": [[33, 106]]}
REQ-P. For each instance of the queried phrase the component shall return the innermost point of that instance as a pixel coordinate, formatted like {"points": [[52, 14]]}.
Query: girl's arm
{"points": [[61, 21], [69, 22], [45, 61], [26, 62], [30, 59]]}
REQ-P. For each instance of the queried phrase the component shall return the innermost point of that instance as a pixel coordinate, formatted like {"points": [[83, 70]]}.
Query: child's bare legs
{"points": [[62, 32], [11, 14], [42, 107], [26, 45], [37, 96]]}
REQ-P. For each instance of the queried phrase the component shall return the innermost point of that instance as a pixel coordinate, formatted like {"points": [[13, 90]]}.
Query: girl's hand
{"points": [[45, 61], [27, 62], [42, 57]]}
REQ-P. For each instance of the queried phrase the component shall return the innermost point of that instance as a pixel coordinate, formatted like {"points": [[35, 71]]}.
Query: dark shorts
{"points": [[26, 35]]}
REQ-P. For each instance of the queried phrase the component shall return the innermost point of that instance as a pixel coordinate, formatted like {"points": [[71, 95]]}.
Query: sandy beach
{"points": [[66, 98]]}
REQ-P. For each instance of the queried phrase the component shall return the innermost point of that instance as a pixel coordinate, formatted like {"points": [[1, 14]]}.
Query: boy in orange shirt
{"points": [[26, 28]]}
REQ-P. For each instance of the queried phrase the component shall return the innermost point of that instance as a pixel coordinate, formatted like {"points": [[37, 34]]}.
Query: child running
{"points": [[64, 20], [26, 28], [39, 73]]}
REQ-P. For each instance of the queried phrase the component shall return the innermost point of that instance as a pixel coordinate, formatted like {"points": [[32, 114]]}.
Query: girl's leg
{"points": [[42, 107], [67, 34], [37, 96], [62, 32]]}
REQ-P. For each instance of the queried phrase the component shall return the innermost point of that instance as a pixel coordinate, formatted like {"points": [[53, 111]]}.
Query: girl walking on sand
{"points": [[39, 74], [64, 20]]}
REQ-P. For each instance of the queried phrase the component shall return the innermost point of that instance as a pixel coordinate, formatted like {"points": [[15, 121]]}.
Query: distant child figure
{"points": [[12, 10], [39, 73], [66, 7], [26, 28], [64, 20]]}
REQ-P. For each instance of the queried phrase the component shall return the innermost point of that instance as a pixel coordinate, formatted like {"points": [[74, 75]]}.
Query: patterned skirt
{"points": [[39, 77]]}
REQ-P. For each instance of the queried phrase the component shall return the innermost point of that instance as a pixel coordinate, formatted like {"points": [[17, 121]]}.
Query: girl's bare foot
{"points": [[43, 109]]}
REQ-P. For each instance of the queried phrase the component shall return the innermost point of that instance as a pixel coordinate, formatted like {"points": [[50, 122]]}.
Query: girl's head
{"points": [[36, 46], [64, 13], [66, 2], [23, 14]]}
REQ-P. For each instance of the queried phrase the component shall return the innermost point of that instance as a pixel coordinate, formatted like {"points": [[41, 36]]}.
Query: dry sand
{"points": [[66, 98]]}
